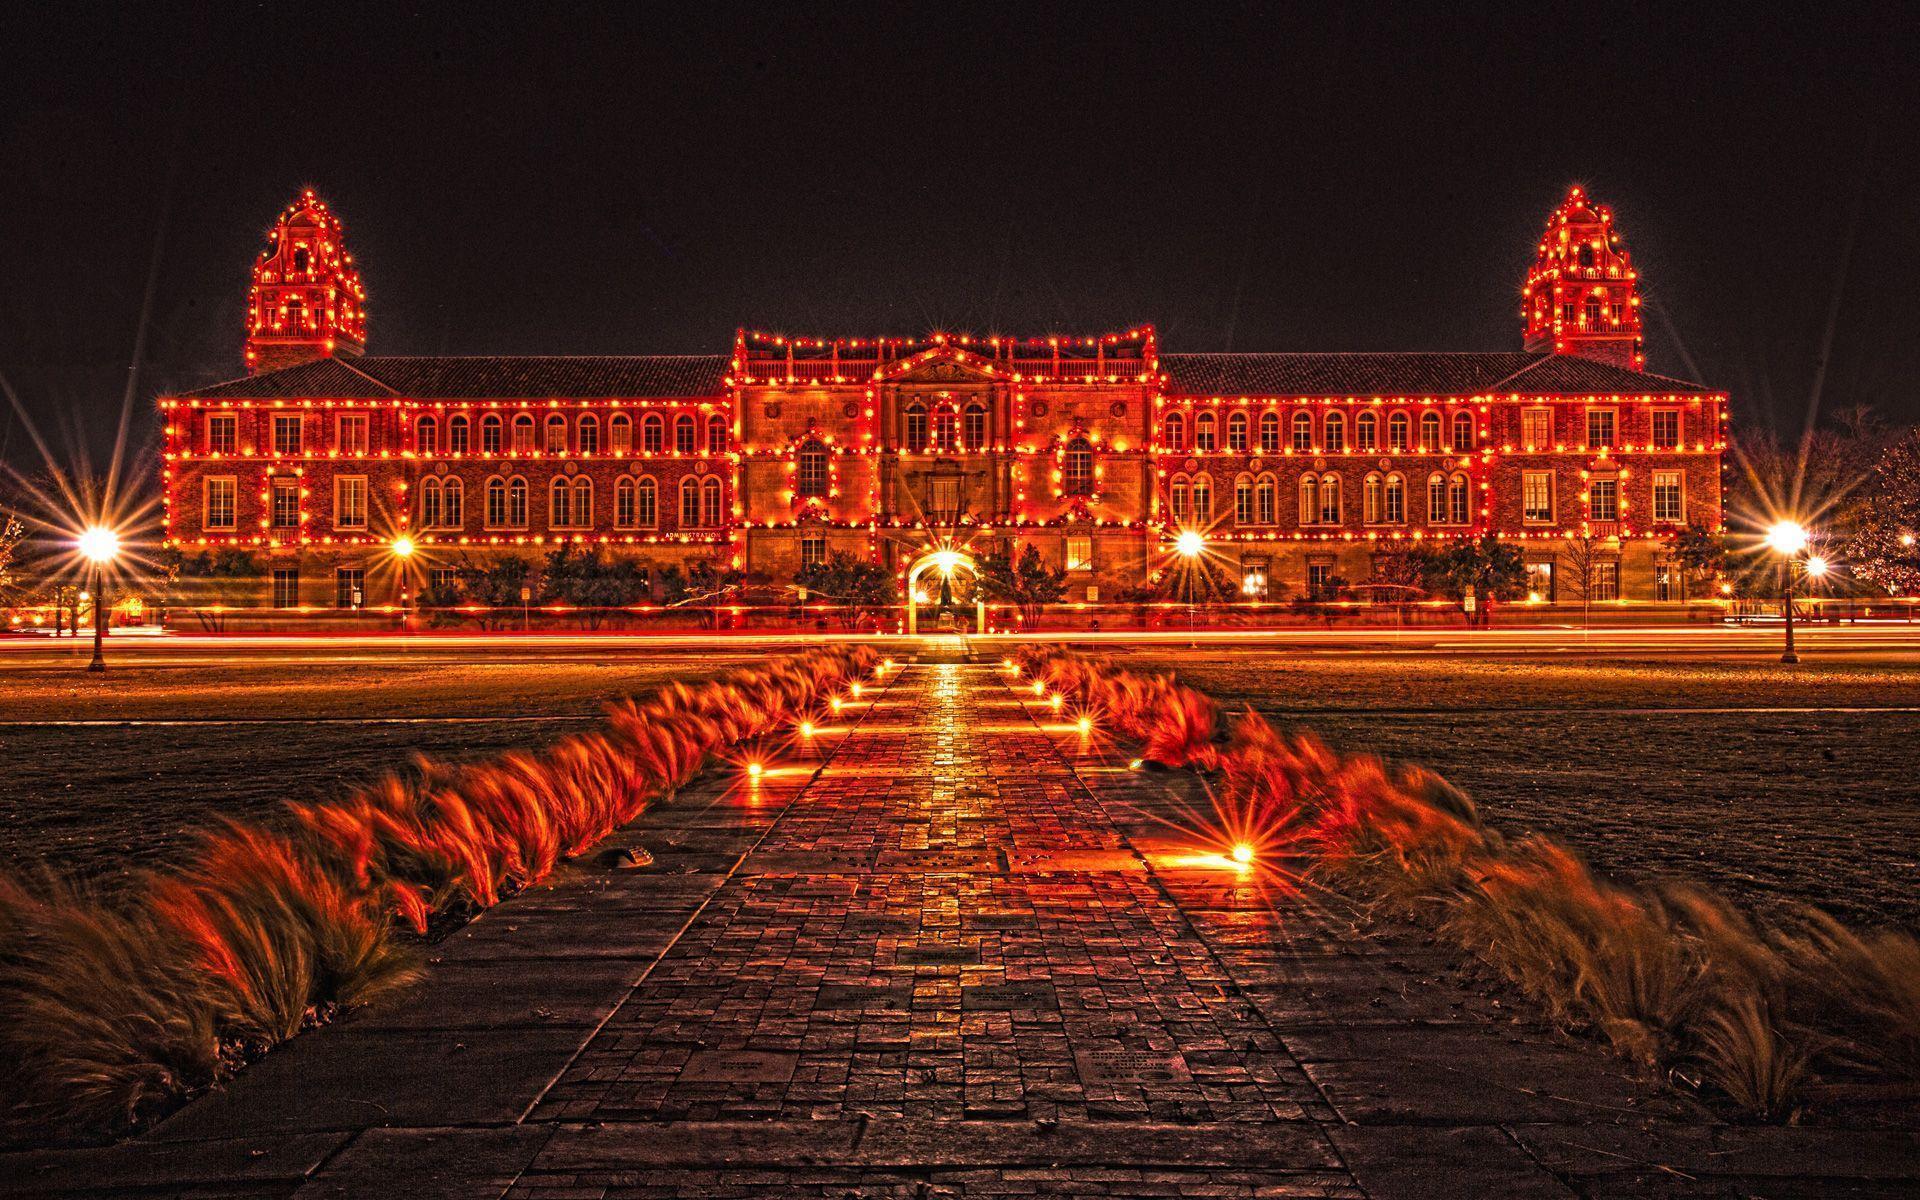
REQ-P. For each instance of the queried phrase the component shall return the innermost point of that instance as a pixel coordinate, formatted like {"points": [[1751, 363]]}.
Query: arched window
{"points": [[1329, 499], [1437, 499], [1430, 432], [582, 502], [812, 474], [560, 497], [1237, 433], [1178, 491], [1396, 500], [1463, 432], [426, 436], [1266, 499], [620, 433], [710, 502], [430, 503], [1269, 432], [1366, 432], [646, 503], [490, 434], [717, 434], [517, 502], [653, 434], [1398, 427], [1302, 431], [916, 427], [973, 426], [1206, 431], [1459, 491], [1173, 433], [625, 511], [457, 435], [1309, 499], [1336, 433], [1203, 499], [689, 502], [496, 503], [1243, 500], [453, 503], [1077, 478], [946, 429], [523, 434], [685, 434], [1373, 507], [556, 434], [588, 434]]}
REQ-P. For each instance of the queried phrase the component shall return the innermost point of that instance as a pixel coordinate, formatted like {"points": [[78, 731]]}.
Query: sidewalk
{"points": [[967, 956]]}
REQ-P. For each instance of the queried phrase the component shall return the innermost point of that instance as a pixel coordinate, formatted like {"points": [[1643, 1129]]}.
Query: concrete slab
{"points": [[428, 1164], [220, 1162], [1427, 1163]]}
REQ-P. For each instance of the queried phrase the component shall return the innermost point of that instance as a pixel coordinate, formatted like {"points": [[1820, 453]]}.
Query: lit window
{"points": [[1430, 432], [352, 433], [223, 433], [1603, 500], [1178, 491], [813, 550], [710, 503], [1669, 497], [620, 433], [1330, 500], [1536, 427], [1206, 429], [1437, 499], [223, 493], [1078, 476], [1540, 582], [1269, 432], [1366, 431], [1203, 498], [1079, 553], [1173, 433], [1536, 497], [285, 502], [1606, 580], [1302, 431], [1237, 433], [350, 502], [588, 434], [1266, 500], [286, 434], [1396, 500]]}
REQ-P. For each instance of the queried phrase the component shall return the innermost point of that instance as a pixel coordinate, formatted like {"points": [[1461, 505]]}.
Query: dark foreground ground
{"points": [[1771, 785]]}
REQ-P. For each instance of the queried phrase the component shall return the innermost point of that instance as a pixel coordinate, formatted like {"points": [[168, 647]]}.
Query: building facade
{"points": [[1299, 469]]}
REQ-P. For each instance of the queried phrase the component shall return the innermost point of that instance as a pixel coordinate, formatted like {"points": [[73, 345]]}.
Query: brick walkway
{"points": [[973, 955]]}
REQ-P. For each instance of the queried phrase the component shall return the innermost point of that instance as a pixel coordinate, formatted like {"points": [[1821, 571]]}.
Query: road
{"points": [[1892, 643]]}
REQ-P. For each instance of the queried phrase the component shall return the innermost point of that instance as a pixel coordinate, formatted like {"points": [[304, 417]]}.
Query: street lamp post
{"points": [[403, 548], [1789, 540], [1190, 546], [99, 545]]}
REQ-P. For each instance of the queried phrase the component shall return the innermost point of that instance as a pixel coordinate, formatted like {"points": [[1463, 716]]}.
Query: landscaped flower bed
{"points": [[113, 1010], [1778, 1014]]}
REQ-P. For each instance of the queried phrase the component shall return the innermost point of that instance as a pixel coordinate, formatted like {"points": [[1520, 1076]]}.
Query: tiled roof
{"points": [[1393, 374], [506, 377]]}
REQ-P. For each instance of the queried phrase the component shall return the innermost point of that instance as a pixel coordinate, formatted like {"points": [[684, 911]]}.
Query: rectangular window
{"points": [[350, 502], [286, 434], [353, 433], [1536, 427], [1079, 554], [286, 587], [1606, 580], [1669, 497], [1536, 496], [350, 587], [1599, 427], [1540, 582], [285, 495], [1603, 500], [1253, 578], [1319, 574], [813, 550], [1663, 582], [223, 492], [1666, 428], [943, 495], [441, 581], [223, 433]]}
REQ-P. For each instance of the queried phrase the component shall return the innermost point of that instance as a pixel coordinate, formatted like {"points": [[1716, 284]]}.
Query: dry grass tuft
{"points": [[112, 1011], [1770, 1012]]}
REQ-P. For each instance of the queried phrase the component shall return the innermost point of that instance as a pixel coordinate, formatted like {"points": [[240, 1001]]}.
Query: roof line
{"points": [[389, 388]]}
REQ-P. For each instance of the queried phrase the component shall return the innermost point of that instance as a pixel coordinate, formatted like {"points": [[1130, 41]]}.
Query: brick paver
{"points": [[970, 955]]}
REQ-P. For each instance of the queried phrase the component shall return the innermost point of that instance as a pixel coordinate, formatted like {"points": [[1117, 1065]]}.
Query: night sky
{"points": [[599, 180]]}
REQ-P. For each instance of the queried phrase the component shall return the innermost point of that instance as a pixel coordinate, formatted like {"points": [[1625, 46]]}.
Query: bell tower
{"points": [[306, 301], [1581, 296]]}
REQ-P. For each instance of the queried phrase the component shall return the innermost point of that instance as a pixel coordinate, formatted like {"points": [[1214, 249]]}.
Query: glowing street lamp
{"points": [[403, 548], [1789, 540], [1190, 545], [99, 546]]}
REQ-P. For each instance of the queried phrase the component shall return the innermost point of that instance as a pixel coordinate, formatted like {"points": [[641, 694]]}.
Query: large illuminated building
{"points": [[1300, 469]]}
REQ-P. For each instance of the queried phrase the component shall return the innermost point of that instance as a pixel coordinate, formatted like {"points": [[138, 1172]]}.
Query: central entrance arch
{"points": [[946, 561]]}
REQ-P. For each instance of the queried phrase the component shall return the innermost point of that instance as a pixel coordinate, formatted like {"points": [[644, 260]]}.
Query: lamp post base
{"points": [[1789, 657]]}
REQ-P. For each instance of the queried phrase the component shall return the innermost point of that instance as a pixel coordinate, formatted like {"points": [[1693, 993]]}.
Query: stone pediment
{"points": [[941, 364]]}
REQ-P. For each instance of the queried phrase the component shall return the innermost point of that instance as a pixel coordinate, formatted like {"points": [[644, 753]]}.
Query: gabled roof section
{"points": [[505, 377], [1410, 374]]}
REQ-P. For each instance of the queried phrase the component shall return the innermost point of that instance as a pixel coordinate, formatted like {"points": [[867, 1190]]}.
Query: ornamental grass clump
{"points": [[114, 1009], [1772, 1015]]}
